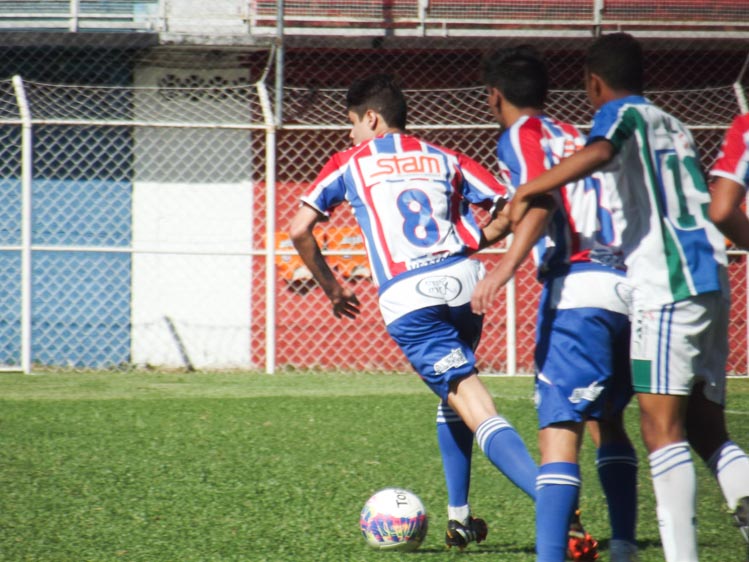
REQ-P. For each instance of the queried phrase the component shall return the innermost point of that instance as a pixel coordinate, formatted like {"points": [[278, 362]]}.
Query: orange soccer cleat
{"points": [[580, 545]]}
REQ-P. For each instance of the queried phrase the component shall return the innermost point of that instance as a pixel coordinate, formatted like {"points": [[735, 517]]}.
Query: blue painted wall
{"points": [[82, 196]]}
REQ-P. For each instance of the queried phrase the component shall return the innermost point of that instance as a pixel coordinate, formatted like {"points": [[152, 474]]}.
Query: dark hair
{"points": [[520, 74], [617, 59], [380, 93]]}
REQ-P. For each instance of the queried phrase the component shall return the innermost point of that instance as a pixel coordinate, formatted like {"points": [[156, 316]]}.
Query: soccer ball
{"points": [[394, 519]]}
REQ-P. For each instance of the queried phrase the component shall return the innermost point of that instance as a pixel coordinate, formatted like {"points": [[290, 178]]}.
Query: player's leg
{"points": [[662, 420], [455, 440], [558, 488], [574, 356], [443, 356], [706, 422], [497, 438], [616, 460], [468, 396], [706, 430], [665, 349]]}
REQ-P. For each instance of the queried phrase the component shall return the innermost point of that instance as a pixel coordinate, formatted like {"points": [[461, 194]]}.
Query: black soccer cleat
{"points": [[459, 534]]}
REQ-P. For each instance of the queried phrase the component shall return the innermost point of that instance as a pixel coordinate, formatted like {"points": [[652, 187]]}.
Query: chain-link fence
{"points": [[128, 235], [147, 188], [456, 118]]}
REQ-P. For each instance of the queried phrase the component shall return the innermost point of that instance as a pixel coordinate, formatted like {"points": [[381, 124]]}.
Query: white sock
{"points": [[675, 485], [459, 513], [730, 465]]}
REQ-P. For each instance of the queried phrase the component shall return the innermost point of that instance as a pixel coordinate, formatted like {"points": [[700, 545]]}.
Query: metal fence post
{"points": [[26, 186], [74, 13], [270, 226]]}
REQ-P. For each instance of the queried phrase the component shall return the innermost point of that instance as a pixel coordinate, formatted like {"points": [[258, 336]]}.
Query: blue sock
{"points": [[617, 471], [455, 440], [557, 495], [503, 446]]}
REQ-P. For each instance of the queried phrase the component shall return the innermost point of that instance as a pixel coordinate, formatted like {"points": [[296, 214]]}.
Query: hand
{"points": [[487, 290], [345, 303]]}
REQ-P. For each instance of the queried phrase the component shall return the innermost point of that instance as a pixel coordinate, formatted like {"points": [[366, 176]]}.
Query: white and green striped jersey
{"points": [[671, 248]]}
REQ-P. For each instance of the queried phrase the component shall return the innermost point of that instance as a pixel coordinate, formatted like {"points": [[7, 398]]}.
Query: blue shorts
{"points": [[439, 342], [582, 364]]}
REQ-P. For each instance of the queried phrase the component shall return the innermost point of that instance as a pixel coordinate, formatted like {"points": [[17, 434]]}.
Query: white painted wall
{"points": [[191, 283]]}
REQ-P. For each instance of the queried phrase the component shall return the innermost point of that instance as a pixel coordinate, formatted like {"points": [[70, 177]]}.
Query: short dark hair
{"points": [[618, 60], [380, 93], [520, 74]]}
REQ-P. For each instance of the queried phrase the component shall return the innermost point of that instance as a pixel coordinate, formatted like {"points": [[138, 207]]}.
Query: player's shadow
{"points": [[642, 544], [530, 549], [484, 549]]}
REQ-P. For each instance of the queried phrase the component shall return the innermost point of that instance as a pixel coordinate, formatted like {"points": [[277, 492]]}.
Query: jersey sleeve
{"points": [[613, 124], [329, 188], [480, 186], [733, 160]]}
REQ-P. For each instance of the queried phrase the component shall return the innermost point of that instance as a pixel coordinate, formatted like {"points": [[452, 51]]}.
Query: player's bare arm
{"points": [[526, 234], [725, 211], [581, 164], [344, 300], [497, 228]]}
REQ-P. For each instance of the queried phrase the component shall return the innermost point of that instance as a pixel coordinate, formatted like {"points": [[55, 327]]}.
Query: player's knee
{"points": [[660, 431], [612, 432]]}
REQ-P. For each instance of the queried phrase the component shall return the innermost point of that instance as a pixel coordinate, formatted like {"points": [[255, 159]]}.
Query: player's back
{"points": [[670, 245], [411, 200], [585, 227]]}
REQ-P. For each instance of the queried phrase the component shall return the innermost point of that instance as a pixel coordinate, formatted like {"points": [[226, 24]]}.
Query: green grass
{"points": [[202, 467]]}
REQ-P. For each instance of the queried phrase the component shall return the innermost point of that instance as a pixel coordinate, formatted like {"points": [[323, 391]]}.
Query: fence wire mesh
{"points": [[433, 113], [151, 166]]}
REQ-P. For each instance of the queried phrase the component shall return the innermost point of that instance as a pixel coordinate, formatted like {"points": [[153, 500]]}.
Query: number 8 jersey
{"points": [[411, 200]]}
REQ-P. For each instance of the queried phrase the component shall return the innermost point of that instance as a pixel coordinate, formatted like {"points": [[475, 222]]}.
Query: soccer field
{"points": [[250, 467]]}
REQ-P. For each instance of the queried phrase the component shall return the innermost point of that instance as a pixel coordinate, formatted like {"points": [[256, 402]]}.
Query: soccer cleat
{"points": [[580, 545], [622, 551], [741, 517], [459, 534]]}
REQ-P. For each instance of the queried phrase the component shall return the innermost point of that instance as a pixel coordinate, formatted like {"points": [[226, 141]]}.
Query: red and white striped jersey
{"points": [[411, 199], [586, 228]]}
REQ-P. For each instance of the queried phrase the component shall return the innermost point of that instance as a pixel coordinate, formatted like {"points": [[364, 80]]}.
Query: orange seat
{"points": [[291, 267], [352, 265]]}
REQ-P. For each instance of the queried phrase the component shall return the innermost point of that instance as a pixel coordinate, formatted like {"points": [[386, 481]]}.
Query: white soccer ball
{"points": [[394, 519]]}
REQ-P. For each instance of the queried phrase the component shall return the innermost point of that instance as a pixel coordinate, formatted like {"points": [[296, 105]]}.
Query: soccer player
{"points": [[411, 200], [582, 342], [731, 180], [676, 266]]}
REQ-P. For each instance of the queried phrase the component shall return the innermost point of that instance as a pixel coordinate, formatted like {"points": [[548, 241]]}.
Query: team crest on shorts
{"points": [[455, 358], [589, 393], [441, 287]]}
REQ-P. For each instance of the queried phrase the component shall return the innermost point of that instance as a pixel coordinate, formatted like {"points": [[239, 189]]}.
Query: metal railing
{"points": [[82, 15], [429, 18]]}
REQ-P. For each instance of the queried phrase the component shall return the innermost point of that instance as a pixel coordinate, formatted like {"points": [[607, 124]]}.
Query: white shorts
{"points": [[675, 346], [604, 288], [451, 284]]}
